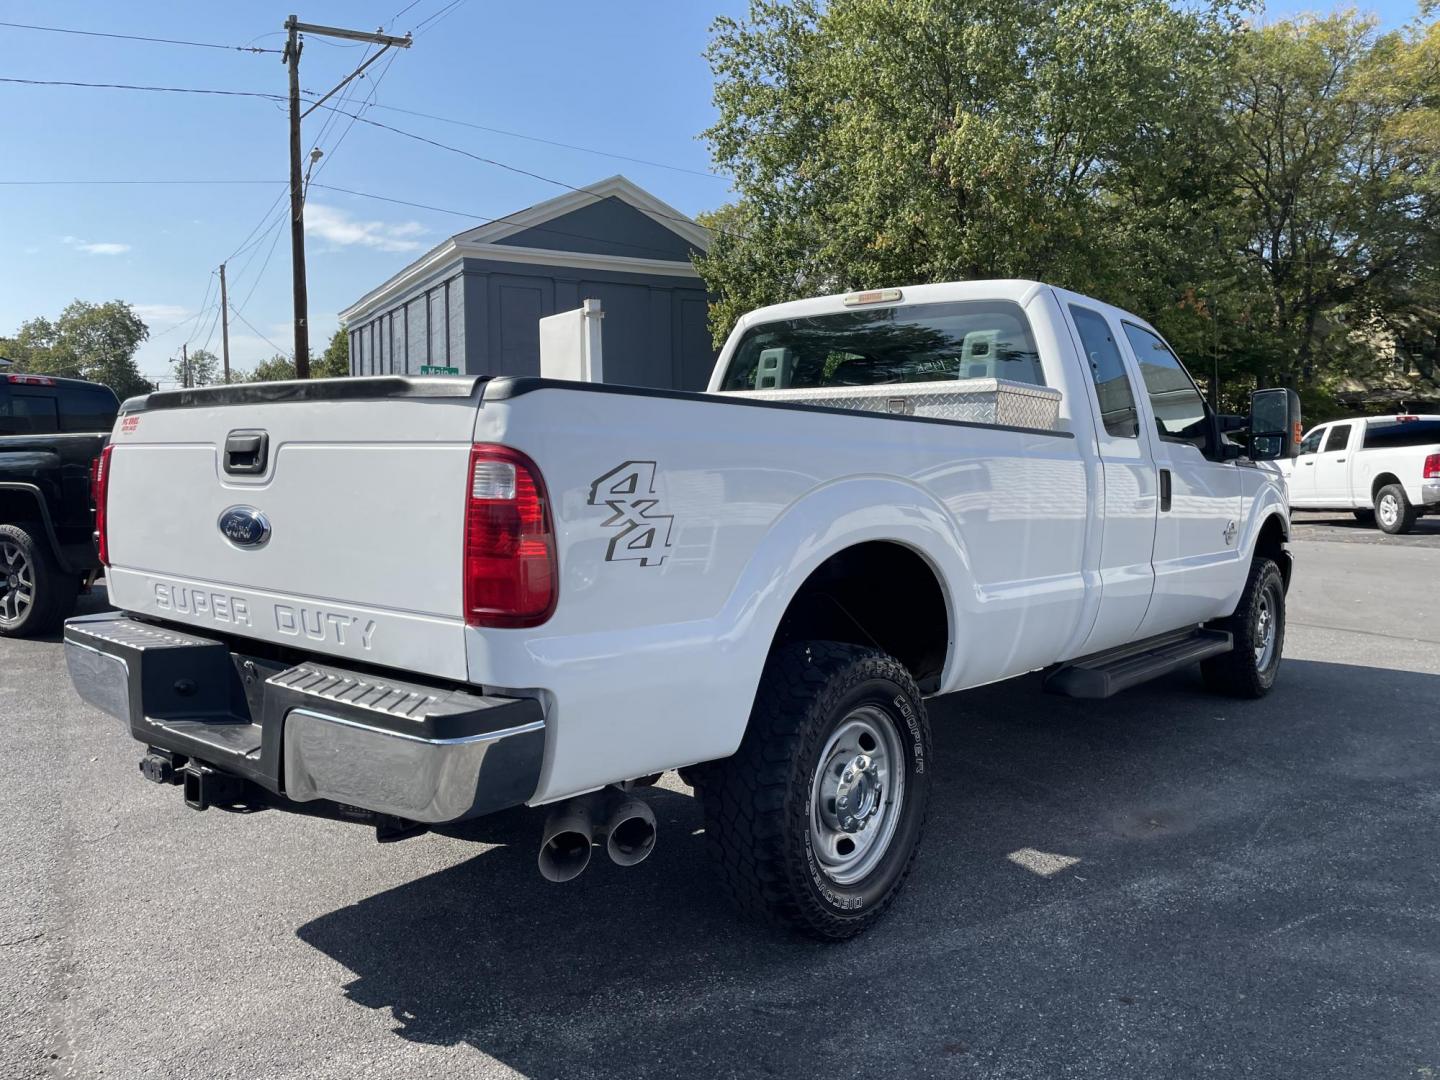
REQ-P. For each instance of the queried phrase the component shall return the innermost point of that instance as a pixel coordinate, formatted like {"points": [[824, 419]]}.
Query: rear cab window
{"points": [[60, 408], [1384, 434], [24, 410], [1112, 384], [967, 339], [87, 409]]}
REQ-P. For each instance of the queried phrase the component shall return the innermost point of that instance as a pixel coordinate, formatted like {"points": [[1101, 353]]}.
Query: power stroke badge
{"points": [[642, 533]]}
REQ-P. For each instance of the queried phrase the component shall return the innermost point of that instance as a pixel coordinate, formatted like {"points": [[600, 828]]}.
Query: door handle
{"points": [[1164, 490], [1307, 463], [1339, 459], [245, 452]]}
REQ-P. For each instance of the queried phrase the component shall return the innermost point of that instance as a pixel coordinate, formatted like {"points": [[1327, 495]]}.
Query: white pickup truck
{"points": [[417, 600], [1386, 469]]}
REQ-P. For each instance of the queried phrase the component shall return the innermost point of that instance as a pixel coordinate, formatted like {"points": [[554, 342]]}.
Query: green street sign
{"points": [[435, 369]]}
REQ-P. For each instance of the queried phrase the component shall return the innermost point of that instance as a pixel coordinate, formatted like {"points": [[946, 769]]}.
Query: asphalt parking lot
{"points": [[1256, 894]]}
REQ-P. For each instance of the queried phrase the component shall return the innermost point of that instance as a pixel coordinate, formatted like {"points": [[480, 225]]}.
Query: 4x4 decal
{"points": [[628, 491]]}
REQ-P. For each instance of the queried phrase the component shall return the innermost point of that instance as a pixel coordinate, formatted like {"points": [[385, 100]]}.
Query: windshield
{"points": [[980, 339]]}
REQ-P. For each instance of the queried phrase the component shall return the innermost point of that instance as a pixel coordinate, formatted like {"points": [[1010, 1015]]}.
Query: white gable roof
{"points": [[485, 242]]}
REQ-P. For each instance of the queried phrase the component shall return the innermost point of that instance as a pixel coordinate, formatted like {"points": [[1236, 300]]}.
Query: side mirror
{"points": [[1275, 424]]}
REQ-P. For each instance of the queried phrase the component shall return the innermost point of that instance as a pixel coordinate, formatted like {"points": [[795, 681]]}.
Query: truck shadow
{"points": [[1094, 874]]}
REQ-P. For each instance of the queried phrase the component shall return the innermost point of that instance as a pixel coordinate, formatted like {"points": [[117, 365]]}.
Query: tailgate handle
{"points": [[245, 452]]}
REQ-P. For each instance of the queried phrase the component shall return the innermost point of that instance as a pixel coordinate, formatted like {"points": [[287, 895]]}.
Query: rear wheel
{"points": [[35, 594], [1393, 512], [1258, 629], [815, 821]]}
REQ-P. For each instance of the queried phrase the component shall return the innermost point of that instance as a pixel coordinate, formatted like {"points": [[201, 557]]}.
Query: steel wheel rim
{"points": [[17, 582], [1389, 509], [1266, 626], [863, 763]]}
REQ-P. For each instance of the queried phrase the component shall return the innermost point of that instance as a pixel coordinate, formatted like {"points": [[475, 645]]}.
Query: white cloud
{"points": [[100, 248], [337, 226]]}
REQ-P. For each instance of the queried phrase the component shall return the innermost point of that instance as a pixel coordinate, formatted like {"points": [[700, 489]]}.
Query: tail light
{"points": [[511, 576], [99, 495], [1432, 466]]}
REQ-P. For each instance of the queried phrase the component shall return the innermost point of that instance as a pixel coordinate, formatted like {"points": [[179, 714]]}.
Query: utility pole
{"points": [[291, 58], [185, 367], [224, 324]]}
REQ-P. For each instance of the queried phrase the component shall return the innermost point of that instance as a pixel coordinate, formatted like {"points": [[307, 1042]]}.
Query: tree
{"points": [[277, 369], [1269, 197], [88, 341], [204, 368], [924, 140], [336, 361], [1336, 223]]}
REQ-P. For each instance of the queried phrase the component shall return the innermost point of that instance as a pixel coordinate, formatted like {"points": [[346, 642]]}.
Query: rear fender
{"points": [[823, 523]]}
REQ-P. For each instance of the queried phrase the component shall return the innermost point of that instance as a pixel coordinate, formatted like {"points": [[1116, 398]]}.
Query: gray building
{"points": [[474, 302]]}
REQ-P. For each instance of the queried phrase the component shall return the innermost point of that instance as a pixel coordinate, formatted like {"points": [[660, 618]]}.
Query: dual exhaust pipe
{"points": [[624, 824]]}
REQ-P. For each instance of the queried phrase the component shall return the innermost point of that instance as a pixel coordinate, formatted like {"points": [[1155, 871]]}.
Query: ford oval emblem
{"points": [[244, 526]]}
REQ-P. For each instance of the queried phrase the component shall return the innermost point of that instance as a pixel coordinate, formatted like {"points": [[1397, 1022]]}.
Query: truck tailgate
{"points": [[346, 539]]}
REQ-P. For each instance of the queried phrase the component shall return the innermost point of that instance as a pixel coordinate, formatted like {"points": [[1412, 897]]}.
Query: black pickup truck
{"points": [[52, 432]]}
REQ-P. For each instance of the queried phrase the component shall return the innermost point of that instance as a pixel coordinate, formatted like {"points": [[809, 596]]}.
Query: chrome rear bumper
{"points": [[310, 731]]}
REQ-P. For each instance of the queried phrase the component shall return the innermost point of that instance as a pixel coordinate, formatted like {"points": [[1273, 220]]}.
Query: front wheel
{"points": [[815, 821], [1393, 510], [1258, 629]]}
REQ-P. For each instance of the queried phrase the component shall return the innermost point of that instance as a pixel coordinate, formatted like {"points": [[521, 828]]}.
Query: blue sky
{"points": [[624, 77]]}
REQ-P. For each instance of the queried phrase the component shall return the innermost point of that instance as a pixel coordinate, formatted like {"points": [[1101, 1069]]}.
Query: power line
{"points": [[440, 14], [369, 102], [215, 322], [261, 274], [136, 37], [392, 108], [183, 322], [491, 161], [246, 243], [402, 11], [552, 142], [156, 89], [263, 338], [66, 183], [204, 307]]}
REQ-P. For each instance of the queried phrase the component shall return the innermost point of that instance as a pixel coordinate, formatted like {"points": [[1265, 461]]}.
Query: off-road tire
{"points": [[757, 803], [54, 591], [1239, 673], [1403, 518]]}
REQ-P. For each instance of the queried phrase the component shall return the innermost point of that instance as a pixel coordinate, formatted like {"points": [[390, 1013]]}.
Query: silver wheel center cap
{"points": [[857, 796]]}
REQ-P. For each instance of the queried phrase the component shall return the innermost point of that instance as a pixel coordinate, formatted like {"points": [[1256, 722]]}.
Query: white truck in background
{"points": [[416, 600], [1384, 469]]}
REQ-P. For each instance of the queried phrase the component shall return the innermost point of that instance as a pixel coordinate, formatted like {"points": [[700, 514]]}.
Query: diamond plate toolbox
{"points": [[979, 401]]}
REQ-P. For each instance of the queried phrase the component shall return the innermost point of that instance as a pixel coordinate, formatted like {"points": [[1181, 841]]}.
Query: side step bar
{"points": [[1106, 674]]}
